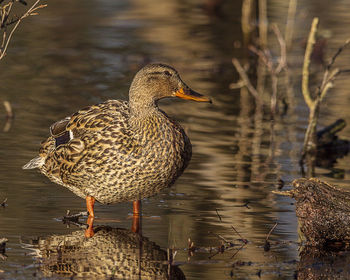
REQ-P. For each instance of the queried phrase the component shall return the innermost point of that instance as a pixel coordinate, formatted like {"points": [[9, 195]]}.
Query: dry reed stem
{"points": [[247, 11], [290, 23], [282, 65], [305, 79], [263, 23], [8, 109], [266, 58], [242, 73]]}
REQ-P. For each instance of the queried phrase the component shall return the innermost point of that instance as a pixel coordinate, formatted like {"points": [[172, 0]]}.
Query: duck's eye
{"points": [[167, 73]]}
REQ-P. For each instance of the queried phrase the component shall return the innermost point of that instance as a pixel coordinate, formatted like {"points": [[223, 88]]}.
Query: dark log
{"points": [[323, 211]]}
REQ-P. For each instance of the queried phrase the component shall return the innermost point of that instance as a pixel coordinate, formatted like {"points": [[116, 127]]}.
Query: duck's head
{"points": [[157, 81]]}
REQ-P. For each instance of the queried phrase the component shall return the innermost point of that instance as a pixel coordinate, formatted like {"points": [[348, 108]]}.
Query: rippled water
{"points": [[77, 53]]}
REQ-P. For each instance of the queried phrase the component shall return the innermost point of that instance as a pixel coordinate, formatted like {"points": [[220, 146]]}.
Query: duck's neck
{"points": [[143, 113], [142, 109]]}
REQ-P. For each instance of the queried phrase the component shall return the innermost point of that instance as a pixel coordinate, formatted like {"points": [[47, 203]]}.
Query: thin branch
{"points": [[284, 193], [29, 12], [271, 230], [263, 23], [8, 109], [245, 241], [305, 80], [290, 22], [347, 42], [267, 244], [239, 249], [344, 71], [245, 79], [217, 213], [220, 237], [283, 56], [264, 55]]}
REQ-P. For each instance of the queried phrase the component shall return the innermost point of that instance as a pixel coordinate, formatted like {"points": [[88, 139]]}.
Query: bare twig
{"points": [[239, 249], [274, 70], [217, 213], [5, 13], [264, 55], [267, 244], [284, 193], [271, 230], [246, 19], [334, 57], [263, 23], [290, 22], [245, 241], [245, 79], [283, 56], [8, 109], [220, 237], [309, 47], [244, 205]]}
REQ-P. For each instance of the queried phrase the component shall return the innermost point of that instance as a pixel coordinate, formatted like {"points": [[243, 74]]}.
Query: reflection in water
{"points": [[112, 252], [66, 59], [323, 264]]}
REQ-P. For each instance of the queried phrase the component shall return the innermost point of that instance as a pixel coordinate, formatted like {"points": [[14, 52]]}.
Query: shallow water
{"points": [[76, 53]]}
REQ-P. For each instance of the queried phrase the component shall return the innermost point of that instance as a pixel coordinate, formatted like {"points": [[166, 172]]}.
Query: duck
{"points": [[117, 150]]}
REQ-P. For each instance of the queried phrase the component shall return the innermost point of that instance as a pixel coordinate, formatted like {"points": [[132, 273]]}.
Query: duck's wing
{"points": [[111, 114], [73, 137]]}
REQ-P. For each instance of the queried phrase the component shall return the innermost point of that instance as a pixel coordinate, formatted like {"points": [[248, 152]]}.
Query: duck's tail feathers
{"points": [[34, 163]]}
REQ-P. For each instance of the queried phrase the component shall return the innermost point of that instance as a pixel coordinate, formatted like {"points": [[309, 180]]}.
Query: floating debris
{"points": [[3, 248], [4, 204], [267, 244]]}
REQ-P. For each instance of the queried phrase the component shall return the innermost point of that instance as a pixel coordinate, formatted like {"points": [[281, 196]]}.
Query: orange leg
{"points": [[136, 216], [90, 201], [136, 205]]}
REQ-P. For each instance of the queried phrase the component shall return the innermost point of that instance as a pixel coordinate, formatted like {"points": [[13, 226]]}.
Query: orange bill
{"points": [[189, 94]]}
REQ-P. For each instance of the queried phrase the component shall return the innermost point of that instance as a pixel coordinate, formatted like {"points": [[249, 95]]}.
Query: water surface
{"points": [[78, 53]]}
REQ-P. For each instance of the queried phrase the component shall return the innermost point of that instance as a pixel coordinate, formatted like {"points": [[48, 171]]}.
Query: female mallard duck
{"points": [[118, 150]]}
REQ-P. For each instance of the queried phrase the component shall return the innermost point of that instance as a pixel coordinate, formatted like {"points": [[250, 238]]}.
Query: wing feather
{"points": [[74, 137]]}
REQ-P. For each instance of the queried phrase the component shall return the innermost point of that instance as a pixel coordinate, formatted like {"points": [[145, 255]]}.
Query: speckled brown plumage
{"points": [[118, 150]]}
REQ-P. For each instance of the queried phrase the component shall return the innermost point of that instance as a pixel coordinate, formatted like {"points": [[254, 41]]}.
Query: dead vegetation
{"points": [[3, 255], [9, 23], [314, 101], [4, 204], [254, 73], [266, 63], [262, 75]]}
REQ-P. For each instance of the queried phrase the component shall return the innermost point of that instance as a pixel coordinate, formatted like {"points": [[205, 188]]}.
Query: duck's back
{"points": [[97, 152]]}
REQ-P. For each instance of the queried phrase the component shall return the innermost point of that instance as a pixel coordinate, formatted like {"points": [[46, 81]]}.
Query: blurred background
{"points": [[77, 53]]}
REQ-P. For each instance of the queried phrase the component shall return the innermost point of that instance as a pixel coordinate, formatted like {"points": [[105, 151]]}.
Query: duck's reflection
{"points": [[112, 252]]}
